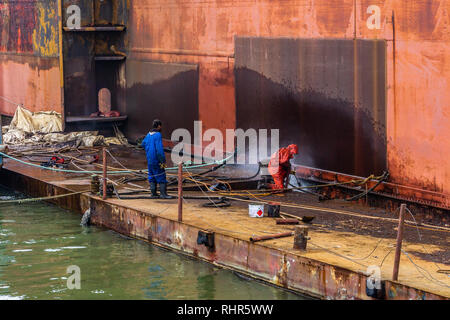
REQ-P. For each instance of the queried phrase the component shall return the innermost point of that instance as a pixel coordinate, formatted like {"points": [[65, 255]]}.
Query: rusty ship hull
{"points": [[362, 86]]}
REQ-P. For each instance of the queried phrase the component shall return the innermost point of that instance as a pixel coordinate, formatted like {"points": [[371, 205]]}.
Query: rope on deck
{"points": [[110, 172], [20, 201]]}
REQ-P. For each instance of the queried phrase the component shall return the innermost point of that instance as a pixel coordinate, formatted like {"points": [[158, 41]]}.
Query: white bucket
{"points": [[256, 210]]}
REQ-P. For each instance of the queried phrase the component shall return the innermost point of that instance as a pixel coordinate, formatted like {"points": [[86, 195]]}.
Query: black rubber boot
{"points": [[153, 189], [163, 188], [261, 185]]}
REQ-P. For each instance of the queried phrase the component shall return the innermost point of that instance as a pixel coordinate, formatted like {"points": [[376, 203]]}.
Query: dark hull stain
{"points": [[314, 104]]}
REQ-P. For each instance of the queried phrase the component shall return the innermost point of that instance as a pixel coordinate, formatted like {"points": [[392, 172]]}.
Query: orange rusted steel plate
{"points": [[399, 191], [29, 56]]}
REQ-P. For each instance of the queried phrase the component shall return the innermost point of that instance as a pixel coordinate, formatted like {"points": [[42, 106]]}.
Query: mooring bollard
{"points": [[104, 174], [398, 249], [274, 210], [180, 192], [300, 237], [95, 185]]}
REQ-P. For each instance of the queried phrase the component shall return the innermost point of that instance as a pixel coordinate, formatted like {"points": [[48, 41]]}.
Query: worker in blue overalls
{"points": [[156, 160]]}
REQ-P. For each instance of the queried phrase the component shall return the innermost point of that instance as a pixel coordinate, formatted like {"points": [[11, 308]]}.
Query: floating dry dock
{"points": [[334, 266]]}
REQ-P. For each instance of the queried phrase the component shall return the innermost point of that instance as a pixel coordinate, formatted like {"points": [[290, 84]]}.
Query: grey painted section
{"points": [[166, 91]]}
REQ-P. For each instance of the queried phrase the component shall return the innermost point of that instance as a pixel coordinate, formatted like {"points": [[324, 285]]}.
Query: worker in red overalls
{"points": [[280, 166]]}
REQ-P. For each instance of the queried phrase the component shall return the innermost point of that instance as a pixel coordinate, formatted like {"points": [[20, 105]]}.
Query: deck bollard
{"points": [[398, 249], [180, 192], [95, 185], [300, 237], [104, 174]]}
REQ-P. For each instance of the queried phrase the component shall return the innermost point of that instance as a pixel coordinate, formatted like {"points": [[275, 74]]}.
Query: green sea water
{"points": [[38, 242]]}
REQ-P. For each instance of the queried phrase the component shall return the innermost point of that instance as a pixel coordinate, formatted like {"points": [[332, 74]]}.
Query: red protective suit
{"points": [[280, 166]]}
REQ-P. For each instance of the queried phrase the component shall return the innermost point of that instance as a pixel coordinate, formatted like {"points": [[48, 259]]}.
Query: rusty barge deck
{"points": [[345, 241]]}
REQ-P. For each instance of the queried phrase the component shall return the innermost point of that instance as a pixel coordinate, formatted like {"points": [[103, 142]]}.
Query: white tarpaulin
{"points": [[32, 122], [46, 127]]}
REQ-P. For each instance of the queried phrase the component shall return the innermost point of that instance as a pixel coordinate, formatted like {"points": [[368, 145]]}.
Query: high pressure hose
{"points": [[383, 178]]}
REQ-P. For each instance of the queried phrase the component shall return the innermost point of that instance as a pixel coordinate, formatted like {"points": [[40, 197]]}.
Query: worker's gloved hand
{"points": [[163, 166]]}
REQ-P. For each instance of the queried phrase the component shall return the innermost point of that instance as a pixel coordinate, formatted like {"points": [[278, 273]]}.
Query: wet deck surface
{"points": [[343, 234]]}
